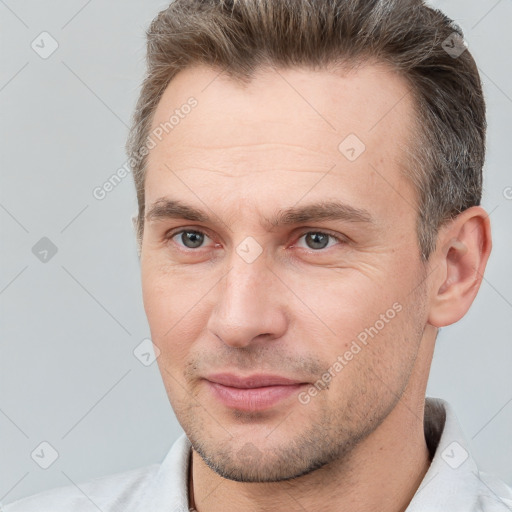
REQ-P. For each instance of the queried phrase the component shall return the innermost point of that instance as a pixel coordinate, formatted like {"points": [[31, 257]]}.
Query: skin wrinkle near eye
{"points": [[348, 238]]}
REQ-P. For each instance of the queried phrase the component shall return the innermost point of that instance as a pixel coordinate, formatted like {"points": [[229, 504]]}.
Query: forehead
{"points": [[283, 125]]}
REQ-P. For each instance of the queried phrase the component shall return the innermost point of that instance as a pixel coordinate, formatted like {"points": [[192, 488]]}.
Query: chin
{"points": [[252, 464]]}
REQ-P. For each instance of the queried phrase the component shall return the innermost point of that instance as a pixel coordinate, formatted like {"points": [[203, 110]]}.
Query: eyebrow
{"points": [[165, 208]]}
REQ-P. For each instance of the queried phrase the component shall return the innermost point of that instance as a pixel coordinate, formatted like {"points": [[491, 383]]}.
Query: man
{"points": [[308, 177]]}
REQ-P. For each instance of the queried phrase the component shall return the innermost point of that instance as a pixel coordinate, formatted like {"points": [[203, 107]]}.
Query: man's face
{"points": [[249, 293]]}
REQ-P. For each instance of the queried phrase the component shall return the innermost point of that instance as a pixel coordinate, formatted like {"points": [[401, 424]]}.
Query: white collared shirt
{"points": [[453, 482]]}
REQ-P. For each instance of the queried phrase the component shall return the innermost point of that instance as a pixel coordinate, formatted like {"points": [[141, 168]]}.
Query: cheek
{"points": [[348, 302], [357, 330], [175, 309], [168, 294]]}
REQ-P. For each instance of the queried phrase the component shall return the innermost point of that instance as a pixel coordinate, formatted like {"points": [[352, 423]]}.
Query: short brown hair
{"points": [[240, 36]]}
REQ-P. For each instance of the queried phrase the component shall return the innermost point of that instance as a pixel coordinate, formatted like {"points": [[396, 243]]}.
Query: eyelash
{"points": [[171, 234]]}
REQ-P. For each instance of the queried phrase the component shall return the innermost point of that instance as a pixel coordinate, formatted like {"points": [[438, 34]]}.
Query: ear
{"points": [[463, 248]]}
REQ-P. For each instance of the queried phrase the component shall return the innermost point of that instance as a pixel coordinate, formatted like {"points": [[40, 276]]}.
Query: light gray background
{"points": [[69, 326]]}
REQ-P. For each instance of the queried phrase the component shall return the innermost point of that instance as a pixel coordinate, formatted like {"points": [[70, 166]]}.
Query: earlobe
{"points": [[464, 247]]}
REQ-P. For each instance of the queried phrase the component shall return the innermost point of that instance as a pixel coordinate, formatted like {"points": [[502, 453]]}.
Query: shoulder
{"points": [[150, 488], [108, 493]]}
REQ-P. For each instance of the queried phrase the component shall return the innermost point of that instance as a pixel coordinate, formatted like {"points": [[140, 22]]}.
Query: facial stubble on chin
{"points": [[327, 440]]}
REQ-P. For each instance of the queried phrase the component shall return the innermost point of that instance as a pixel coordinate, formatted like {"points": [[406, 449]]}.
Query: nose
{"points": [[250, 305]]}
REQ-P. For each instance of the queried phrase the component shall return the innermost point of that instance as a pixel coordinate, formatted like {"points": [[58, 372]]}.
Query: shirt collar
{"points": [[168, 491], [453, 481]]}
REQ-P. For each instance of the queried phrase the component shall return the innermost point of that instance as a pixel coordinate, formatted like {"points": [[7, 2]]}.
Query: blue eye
{"points": [[190, 239], [314, 240], [318, 240]]}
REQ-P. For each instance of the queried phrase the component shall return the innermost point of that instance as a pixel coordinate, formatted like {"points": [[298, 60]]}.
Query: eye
{"points": [[194, 239], [189, 238], [318, 240]]}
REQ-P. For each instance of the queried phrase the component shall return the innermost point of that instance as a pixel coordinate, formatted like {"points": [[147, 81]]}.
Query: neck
{"points": [[382, 473]]}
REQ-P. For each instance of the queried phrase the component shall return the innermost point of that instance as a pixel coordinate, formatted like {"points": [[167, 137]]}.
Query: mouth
{"points": [[252, 393]]}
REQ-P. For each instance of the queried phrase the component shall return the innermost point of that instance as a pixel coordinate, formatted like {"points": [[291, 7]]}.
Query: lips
{"points": [[251, 382], [252, 393]]}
